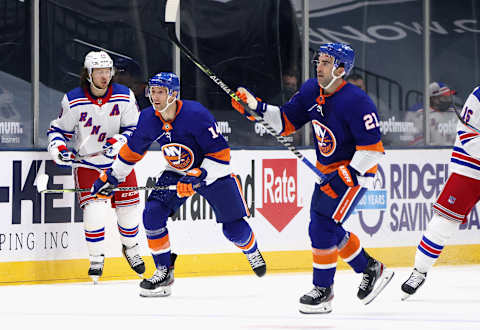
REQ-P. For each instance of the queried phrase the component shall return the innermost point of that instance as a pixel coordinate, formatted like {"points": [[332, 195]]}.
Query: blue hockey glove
{"points": [[345, 176], [192, 180], [102, 187], [254, 103], [60, 154]]}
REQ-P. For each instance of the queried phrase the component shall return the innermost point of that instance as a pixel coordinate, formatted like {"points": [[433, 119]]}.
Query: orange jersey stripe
{"points": [[289, 128], [326, 169], [223, 155], [350, 248], [129, 155], [372, 147], [159, 243], [373, 169], [325, 257]]}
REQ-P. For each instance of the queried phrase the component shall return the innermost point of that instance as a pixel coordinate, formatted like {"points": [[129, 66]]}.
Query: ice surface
{"points": [[450, 299]]}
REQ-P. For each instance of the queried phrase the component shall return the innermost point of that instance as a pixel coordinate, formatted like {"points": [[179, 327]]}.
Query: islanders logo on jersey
{"points": [[178, 156], [325, 139]]}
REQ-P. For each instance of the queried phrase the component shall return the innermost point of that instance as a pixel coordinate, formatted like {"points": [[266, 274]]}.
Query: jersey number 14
{"points": [[215, 130]]}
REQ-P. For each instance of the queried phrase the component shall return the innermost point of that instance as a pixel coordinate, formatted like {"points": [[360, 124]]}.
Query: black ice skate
{"points": [[257, 262], [317, 301], [160, 284], [414, 282], [375, 278], [96, 267], [134, 259]]}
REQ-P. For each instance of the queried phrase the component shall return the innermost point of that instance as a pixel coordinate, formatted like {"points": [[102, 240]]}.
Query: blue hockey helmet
{"points": [[168, 80], [343, 54]]}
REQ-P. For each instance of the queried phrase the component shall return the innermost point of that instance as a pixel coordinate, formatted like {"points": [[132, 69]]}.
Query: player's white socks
{"points": [[95, 214], [128, 220], [438, 232]]}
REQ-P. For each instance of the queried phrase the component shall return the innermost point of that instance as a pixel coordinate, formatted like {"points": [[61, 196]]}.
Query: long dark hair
{"points": [[84, 83]]}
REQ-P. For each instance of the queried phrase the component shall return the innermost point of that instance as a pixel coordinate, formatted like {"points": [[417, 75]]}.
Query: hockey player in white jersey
{"points": [[99, 116], [458, 197]]}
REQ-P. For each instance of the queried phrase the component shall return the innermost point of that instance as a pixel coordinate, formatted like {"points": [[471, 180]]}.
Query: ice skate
{"points": [[96, 267], [134, 259], [160, 284], [375, 278], [317, 301], [414, 282], [257, 262]]}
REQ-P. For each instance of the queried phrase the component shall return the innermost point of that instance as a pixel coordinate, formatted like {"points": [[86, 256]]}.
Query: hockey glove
{"points": [[113, 145], [60, 154], [345, 176], [254, 103], [192, 180], [102, 187]]}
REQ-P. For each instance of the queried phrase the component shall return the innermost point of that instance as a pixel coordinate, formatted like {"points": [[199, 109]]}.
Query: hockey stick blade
{"points": [[170, 26], [42, 182]]}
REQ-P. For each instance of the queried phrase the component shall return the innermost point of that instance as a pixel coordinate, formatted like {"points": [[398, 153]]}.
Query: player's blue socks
{"points": [[240, 233], [159, 244], [350, 250]]}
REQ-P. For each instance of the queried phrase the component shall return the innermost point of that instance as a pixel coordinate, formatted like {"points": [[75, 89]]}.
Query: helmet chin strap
{"points": [[333, 79], [93, 86], [166, 107]]}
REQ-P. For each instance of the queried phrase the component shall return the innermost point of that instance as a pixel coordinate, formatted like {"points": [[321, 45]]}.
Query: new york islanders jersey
{"points": [[92, 120], [462, 161], [343, 122], [192, 139]]}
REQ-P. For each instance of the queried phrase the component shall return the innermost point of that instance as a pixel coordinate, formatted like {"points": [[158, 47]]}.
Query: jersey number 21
{"points": [[371, 121]]}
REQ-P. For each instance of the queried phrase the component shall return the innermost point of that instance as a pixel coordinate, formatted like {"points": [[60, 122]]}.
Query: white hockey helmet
{"points": [[97, 60]]}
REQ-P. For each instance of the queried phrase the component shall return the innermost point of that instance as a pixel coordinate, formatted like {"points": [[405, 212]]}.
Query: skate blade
{"points": [[94, 279], [163, 292], [384, 280], [405, 296], [323, 308]]}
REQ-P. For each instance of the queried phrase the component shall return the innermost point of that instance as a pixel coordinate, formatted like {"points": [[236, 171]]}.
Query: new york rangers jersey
{"points": [[92, 120], [343, 122], [465, 159], [441, 126], [192, 139]]}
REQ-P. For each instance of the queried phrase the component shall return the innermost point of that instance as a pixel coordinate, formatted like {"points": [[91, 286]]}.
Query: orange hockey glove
{"points": [[253, 103], [327, 189], [345, 176], [192, 180]]}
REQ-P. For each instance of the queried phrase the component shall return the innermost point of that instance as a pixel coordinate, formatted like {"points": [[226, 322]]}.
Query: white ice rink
{"points": [[450, 299]]}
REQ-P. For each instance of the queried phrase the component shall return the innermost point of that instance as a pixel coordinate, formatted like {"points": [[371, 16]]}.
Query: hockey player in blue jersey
{"points": [[198, 160], [348, 148]]}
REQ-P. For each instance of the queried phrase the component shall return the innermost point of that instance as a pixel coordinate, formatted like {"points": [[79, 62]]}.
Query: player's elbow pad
{"points": [[273, 116]]}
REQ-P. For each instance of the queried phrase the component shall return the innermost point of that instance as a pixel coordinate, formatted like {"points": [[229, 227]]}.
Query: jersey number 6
{"points": [[371, 121]]}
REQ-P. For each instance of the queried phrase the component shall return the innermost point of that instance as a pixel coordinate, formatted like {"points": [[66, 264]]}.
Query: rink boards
{"points": [[41, 237]]}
